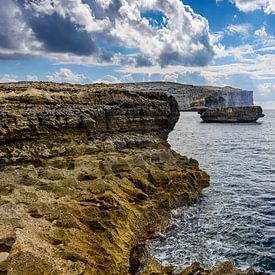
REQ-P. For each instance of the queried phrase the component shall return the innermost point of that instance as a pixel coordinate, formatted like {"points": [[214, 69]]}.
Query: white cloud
{"points": [[245, 64], [266, 89], [243, 29], [260, 67], [261, 33], [266, 42], [77, 12], [251, 5], [17, 39], [266, 95], [170, 77], [95, 27], [108, 79], [31, 77], [8, 78], [122, 78], [127, 78], [66, 75]]}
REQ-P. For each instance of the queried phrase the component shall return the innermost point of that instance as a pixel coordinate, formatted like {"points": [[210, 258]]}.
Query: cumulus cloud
{"points": [[108, 79], [256, 68], [74, 10], [31, 77], [251, 5], [243, 29], [124, 32], [16, 38], [66, 75], [8, 78], [119, 78]]}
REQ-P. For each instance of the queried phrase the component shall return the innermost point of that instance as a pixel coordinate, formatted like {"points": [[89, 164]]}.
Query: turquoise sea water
{"points": [[234, 219]]}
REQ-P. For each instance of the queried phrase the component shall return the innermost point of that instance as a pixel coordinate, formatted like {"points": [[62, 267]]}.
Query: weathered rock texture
{"points": [[187, 94], [235, 114], [86, 175]]}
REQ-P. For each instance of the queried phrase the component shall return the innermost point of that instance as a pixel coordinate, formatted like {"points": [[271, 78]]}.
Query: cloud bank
{"points": [[120, 32], [66, 75], [251, 5]]}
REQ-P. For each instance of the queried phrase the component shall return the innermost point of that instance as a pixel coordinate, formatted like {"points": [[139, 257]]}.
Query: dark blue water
{"points": [[234, 219]]}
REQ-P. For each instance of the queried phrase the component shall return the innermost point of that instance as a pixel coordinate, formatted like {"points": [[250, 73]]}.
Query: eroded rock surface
{"points": [[86, 175]]}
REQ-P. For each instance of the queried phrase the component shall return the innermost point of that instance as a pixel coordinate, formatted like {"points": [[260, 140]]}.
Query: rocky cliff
{"points": [[187, 94], [86, 175]]}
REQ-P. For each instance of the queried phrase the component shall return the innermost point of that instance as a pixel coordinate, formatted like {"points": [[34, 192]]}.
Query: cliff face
{"points": [[210, 101], [187, 94], [86, 175]]}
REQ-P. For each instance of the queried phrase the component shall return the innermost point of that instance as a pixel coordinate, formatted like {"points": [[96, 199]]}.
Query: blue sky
{"points": [[206, 42]]}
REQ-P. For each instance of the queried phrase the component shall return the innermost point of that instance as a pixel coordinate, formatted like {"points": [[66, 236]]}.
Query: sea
{"points": [[233, 219]]}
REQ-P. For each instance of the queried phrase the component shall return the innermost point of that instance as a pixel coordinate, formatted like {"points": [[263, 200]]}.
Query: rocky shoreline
{"points": [[86, 176]]}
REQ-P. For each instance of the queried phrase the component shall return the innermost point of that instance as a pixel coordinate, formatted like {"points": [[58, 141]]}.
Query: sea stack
{"points": [[245, 114]]}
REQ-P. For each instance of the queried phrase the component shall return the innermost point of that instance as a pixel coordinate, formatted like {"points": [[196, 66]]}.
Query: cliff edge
{"points": [[187, 95], [86, 175]]}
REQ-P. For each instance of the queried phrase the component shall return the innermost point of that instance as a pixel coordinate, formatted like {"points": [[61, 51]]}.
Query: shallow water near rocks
{"points": [[234, 219]]}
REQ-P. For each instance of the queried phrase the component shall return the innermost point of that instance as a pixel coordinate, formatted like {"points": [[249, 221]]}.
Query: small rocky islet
{"points": [[213, 108], [245, 114], [87, 176]]}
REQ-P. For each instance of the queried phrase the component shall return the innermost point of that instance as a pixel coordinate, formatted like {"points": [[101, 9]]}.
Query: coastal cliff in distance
{"points": [[187, 94], [86, 176]]}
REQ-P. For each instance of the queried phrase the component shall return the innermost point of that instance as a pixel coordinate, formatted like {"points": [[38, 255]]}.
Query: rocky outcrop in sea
{"points": [[86, 176], [236, 114]]}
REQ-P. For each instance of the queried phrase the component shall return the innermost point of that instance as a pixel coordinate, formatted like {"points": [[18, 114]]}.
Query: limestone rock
{"points": [[187, 94], [232, 114], [86, 176], [209, 101]]}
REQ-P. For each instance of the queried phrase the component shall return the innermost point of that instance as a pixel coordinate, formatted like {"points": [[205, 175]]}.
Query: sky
{"points": [[200, 42]]}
